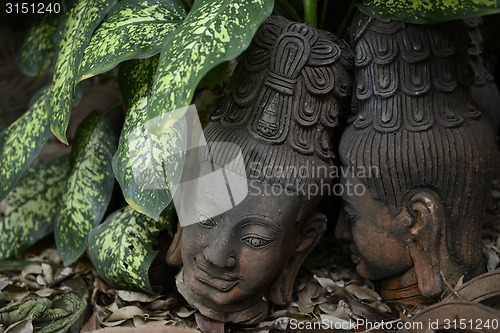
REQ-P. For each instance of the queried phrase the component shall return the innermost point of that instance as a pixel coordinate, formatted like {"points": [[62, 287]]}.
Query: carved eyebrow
{"points": [[262, 220]]}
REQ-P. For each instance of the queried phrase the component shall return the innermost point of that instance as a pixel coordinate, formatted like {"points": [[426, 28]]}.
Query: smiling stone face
{"points": [[232, 259], [239, 252]]}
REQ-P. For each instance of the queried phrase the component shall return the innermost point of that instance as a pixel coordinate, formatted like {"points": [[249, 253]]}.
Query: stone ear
{"points": [[173, 257], [427, 217], [281, 290]]}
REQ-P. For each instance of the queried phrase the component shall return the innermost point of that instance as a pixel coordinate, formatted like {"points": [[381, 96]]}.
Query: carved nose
{"points": [[219, 256]]}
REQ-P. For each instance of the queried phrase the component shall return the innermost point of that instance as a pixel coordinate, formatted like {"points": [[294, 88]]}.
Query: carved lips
{"points": [[223, 282]]}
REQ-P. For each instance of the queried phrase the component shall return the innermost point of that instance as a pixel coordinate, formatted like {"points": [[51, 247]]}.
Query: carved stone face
{"points": [[379, 247], [283, 102], [232, 259]]}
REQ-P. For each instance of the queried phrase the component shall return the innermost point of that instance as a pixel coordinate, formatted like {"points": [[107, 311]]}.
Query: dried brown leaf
{"points": [[127, 312], [4, 282], [31, 269], [113, 323], [131, 296], [368, 312], [277, 324], [46, 292], [15, 293], [328, 308], [306, 305], [92, 324], [47, 273], [493, 259], [23, 326], [158, 322], [312, 288], [362, 293], [162, 304], [40, 280], [139, 321], [113, 307], [327, 283], [183, 312]]}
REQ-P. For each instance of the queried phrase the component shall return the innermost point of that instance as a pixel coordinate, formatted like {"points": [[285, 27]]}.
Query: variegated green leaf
{"points": [[134, 75], [22, 141], [134, 29], [88, 188], [75, 30], [143, 159], [31, 207], [213, 32], [121, 249], [429, 11], [34, 55]]}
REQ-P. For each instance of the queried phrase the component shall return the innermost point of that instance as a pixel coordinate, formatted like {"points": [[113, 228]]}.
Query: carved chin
{"points": [[217, 304]]}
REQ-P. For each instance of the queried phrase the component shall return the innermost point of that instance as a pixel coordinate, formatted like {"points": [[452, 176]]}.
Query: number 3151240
{"points": [[32, 8]]}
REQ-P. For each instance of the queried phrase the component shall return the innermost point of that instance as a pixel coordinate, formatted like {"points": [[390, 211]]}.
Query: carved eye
{"points": [[352, 217], [208, 223], [256, 242], [205, 221]]}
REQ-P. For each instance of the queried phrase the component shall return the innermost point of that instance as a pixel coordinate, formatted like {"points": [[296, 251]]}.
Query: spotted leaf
{"points": [[144, 159], [428, 11], [121, 249], [134, 29], [22, 141], [30, 207], [88, 188], [213, 32], [74, 32], [34, 55]]}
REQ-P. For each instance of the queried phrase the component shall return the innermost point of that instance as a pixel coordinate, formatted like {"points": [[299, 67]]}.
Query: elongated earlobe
{"points": [[427, 213], [173, 256], [281, 290]]}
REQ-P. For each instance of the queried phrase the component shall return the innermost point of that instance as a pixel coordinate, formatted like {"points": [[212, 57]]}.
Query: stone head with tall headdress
{"points": [[274, 128], [420, 219]]}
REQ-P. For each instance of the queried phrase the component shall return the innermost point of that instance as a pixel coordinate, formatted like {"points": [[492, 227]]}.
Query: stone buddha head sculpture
{"points": [[283, 102], [429, 153]]}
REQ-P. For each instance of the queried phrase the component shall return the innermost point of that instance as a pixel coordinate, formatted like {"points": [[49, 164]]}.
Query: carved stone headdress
{"points": [[416, 122], [283, 101]]}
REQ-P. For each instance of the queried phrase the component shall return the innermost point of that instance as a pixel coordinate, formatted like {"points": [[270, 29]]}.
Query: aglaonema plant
{"points": [[163, 49]]}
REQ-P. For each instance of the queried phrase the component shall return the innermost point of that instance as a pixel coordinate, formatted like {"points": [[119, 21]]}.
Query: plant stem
{"points": [[113, 108], [347, 18], [311, 12], [289, 8], [323, 14]]}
